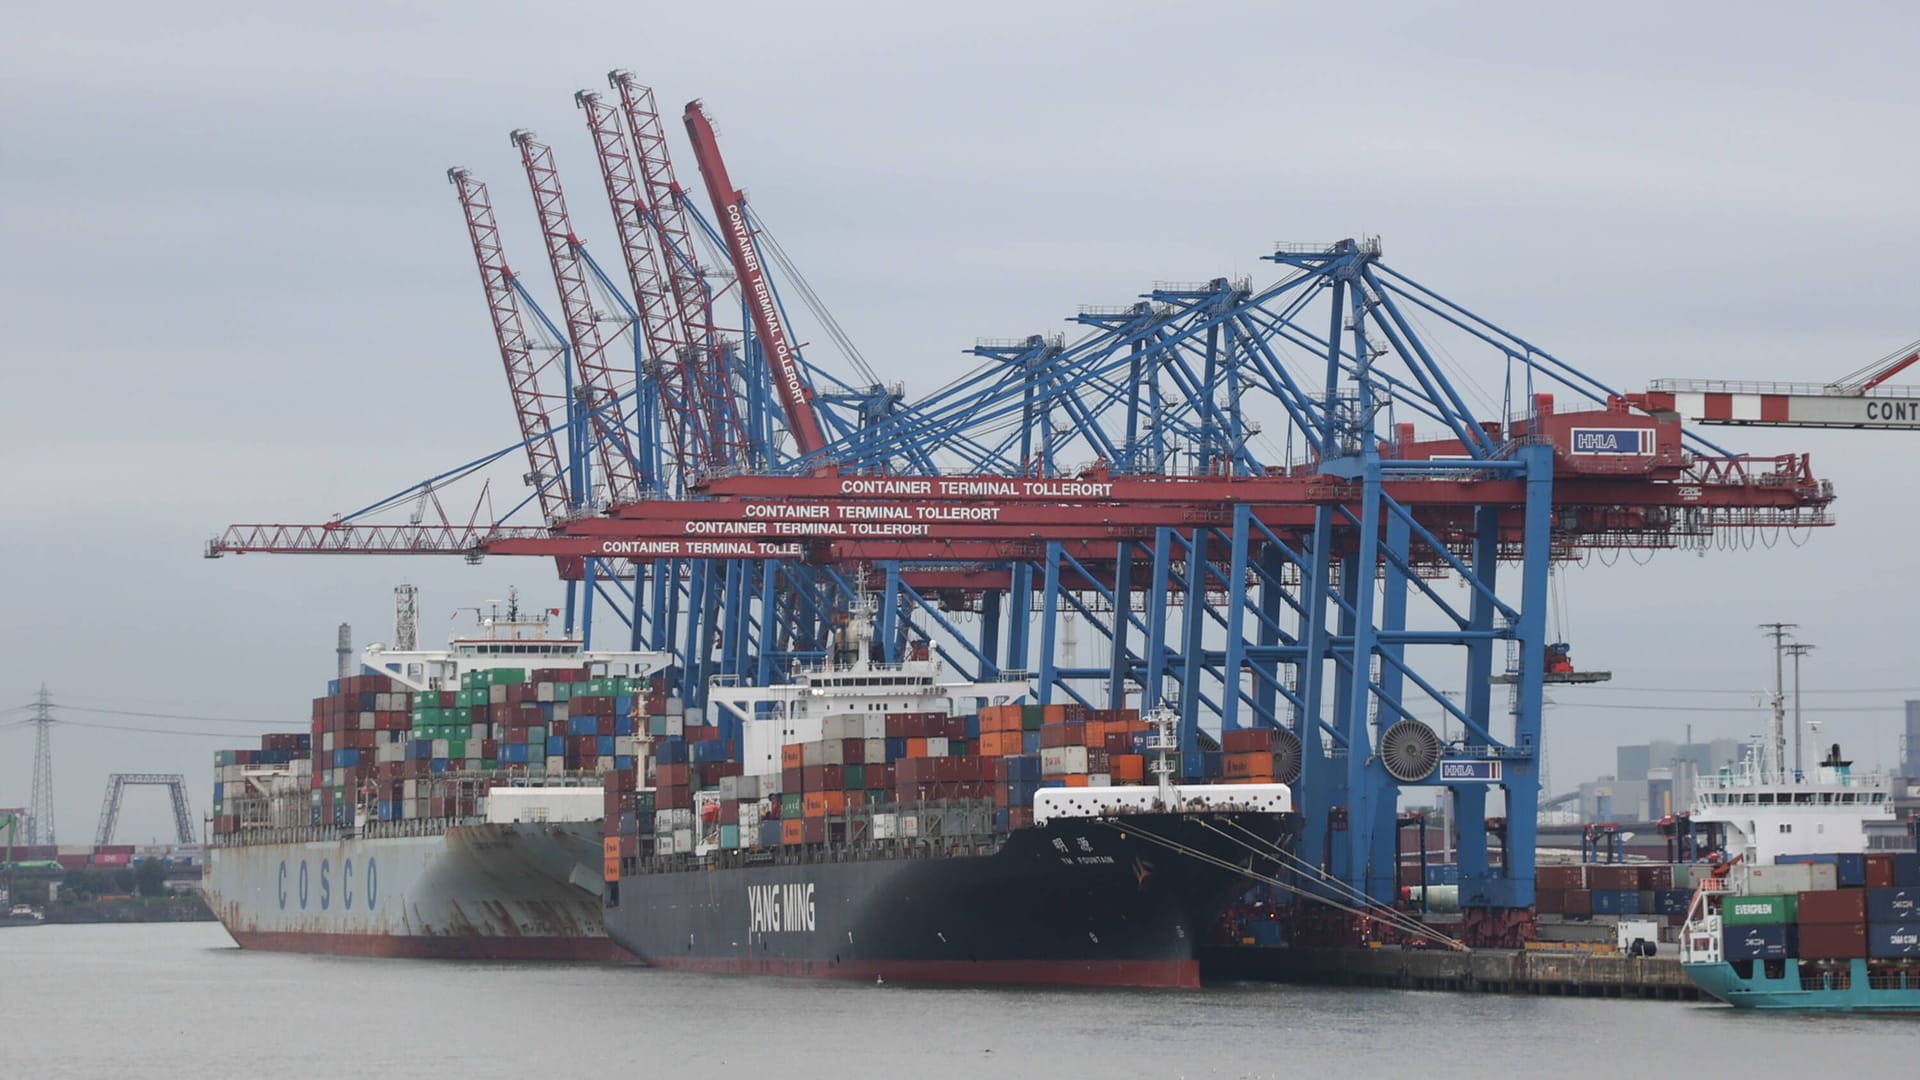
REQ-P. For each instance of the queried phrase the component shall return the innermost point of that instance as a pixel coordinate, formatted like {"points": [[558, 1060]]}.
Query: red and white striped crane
{"points": [[599, 384], [1858, 399]]}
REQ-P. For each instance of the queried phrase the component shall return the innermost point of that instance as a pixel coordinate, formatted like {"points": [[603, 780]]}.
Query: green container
{"points": [[643, 802], [537, 736], [853, 777], [957, 748], [506, 676], [456, 749], [1758, 910], [1031, 716], [656, 726], [562, 692], [729, 836], [792, 805]]}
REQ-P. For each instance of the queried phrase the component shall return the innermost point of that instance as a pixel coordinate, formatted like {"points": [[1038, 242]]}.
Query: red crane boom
{"points": [[653, 297], [532, 407], [796, 397], [706, 362], [599, 385]]}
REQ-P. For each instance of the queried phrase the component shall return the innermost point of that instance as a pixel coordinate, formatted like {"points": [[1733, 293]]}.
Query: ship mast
{"points": [[1777, 743]]}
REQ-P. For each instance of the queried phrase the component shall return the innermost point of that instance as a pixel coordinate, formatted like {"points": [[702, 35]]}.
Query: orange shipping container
{"points": [[793, 831], [792, 756], [836, 802], [814, 804], [999, 743], [610, 858], [1128, 766], [1053, 714], [1256, 765], [1075, 779], [916, 748]]}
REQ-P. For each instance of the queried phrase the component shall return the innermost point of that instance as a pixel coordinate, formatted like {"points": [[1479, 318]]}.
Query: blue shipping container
{"points": [[623, 725], [345, 759], [1822, 859], [622, 704], [604, 746], [1906, 869], [514, 753], [583, 725], [1672, 901], [1443, 873], [556, 745], [1850, 870], [670, 751], [623, 762], [1029, 742], [1755, 942], [1616, 902], [1892, 905], [1893, 939]]}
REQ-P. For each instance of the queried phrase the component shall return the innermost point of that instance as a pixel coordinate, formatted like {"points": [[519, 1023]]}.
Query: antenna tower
{"points": [[1777, 744]]}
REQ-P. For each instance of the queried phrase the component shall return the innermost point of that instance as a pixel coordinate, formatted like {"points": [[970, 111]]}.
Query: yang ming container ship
{"points": [[868, 825], [443, 804], [1803, 916]]}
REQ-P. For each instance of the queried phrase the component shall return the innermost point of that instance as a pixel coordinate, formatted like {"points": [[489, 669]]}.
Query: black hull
{"points": [[1074, 902]]}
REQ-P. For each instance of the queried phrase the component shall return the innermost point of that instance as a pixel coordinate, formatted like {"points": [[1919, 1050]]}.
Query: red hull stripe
{"points": [[596, 950], [1157, 974]]}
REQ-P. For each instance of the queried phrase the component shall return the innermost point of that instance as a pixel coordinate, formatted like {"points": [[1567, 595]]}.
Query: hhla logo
{"points": [[780, 909]]}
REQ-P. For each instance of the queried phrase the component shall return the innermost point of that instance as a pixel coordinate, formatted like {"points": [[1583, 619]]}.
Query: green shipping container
{"points": [[853, 777], [1758, 910], [792, 805], [1031, 716], [506, 676], [656, 725], [456, 749], [729, 836], [643, 802], [562, 692]]}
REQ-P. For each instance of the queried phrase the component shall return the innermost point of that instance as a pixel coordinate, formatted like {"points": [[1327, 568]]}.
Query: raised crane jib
{"points": [[796, 397]]}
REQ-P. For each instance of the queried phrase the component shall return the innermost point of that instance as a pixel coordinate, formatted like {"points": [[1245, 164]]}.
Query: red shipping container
{"points": [[853, 751], [1545, 901], [1830, 906], [1247, 740], [1832, 941], [1880, 871], [1559, 877], [815, 829], [793, 780], [1612, 878], [1577, 902]]}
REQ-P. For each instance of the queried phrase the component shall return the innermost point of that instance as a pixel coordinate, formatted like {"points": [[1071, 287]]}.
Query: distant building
{"points": [[1653, 779]]}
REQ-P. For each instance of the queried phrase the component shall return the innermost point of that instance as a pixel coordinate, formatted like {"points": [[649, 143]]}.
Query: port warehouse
{"points": [[714, 491]]}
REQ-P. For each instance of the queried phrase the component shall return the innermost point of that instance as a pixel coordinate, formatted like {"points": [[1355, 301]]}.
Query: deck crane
{"points": [[796, 396], [728, 444], [1855, 400], [599, 387]]}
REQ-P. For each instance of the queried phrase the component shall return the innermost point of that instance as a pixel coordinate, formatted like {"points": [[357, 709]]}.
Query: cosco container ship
{"points": [[1803, 916], [868, 824], [443, 804]]}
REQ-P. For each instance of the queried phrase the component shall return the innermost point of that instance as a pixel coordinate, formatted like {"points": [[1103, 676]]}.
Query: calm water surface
{"points": [[182, 1001]]}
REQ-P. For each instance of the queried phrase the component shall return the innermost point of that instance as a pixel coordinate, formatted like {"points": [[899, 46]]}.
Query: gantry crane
{"points": [[1859, 399], [1124, 479]]}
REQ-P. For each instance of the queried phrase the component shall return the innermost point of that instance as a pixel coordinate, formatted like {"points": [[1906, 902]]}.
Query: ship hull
{"points": [[493, 892], [1853, 993], [1077, 902]]}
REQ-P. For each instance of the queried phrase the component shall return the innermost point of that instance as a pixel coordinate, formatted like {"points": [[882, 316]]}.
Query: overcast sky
{"points": [[237, 287]]}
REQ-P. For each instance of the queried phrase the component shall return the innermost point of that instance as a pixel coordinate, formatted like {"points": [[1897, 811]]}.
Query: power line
{"points": [[149, 731], [1755, 690], [1725, 708], [165, 716]]}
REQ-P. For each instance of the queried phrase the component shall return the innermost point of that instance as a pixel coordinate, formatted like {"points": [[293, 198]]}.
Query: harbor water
{"points": [[180, 1000]]}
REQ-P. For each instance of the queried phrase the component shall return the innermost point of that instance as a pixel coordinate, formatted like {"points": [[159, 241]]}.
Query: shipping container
{"points": [[1772, 941], [1893, 939], [1893, 905], [1832, 906], [1757, 910], [1832, 941]]}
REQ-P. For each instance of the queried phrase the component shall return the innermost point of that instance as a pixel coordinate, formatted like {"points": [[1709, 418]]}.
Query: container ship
{"points": [[445, 803], [873, 822], [1802, 916]]}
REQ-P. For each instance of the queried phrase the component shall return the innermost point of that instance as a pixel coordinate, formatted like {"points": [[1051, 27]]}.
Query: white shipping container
{"points": [[543, 692], [873, 726], [497, 695], [561, 711], [1063, 760], [937, 747], [1792, 878], [367, 720], [326, 742], [409, 789], [749, 817], [1099, 779], [663, 844], [626, 745], [683, 840], [886, 826], [843, 726], [910, 825], [477, 732], [557, 764], [662, 822], [874, 752], [676, 725], [442, 747]]}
